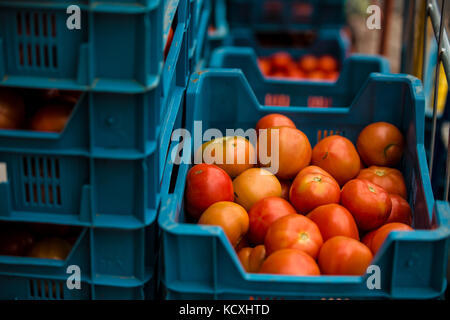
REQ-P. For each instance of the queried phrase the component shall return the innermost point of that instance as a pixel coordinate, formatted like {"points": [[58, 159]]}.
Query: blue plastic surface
{"points": [[198, 32], [219, 21], [114, 264], [287, 14], [353, 74], [200, 263], [119, 47]]}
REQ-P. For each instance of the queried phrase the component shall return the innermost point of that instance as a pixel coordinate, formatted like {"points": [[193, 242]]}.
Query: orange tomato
{"points": [[381, 144], [401, 211], [168, 43], [381, 234], [243, 243], [294, 231], [389, 179], [263, 213], [327, 63], [311, 190], [50, 248], [230, 216], [308, 63], [368, 203], [290, 262], [334, 220], [367, 239], [332, 76], [337, 155], [253, 185], [252, 258], [12, 109], [281, 61], [51, 118], [293, 147], [313, 170], [265, 66], [317, 75], [232, 154], [274, 120], [344, 256]]}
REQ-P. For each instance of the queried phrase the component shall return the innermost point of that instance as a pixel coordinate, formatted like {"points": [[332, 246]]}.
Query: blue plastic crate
{"points": [[198, 32], [114, 264], [353, 74], [119, 47], [219, 23], [200, 263], [287, 14], [99, 188], [330, 42]]}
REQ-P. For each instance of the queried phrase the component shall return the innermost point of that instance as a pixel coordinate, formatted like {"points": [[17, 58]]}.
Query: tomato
{"points": [[389, 179], [327, 63], [232, 154], [294, 231], [285, 186], [344, 256], [367, 239], [12, 109], [332, 76], [281, 61], [369, 204], [230, 216], [243, 243], [337, 155], [334, 220], [51, 118], [311, 190], [252, 258], [274, 120], [263, 213], [168, 43], [50, 248], [253, 185], [290, 262], [382, 233], [296, 74], [381, 144], [317, 75], [308, 63], [265, 66], [206, 184], [401, 211], [313, 170], [293, 148], [15, 242]]}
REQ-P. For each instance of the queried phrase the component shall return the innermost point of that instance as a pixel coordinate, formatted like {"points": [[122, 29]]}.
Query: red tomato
{"points": [[381, 144], [281, 61], [51, 118], [290, 262], [314, 170], [12, 109], [344, 256], [389, 179], [317, 75], [296, 74], [51, 248], [206, 184], [369, 204], [294, 231], [311, 190], [334, 220], [401, 211], [285, 186], [263, 214], [327, 63], [294, 151], [230, 216], [367, 239], [381, 234], [274, 120], [265, 66], [337, 155], [332, 76], [308, 63]]}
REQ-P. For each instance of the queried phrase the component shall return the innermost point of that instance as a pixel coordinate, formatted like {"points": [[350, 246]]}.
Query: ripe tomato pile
{"points": [[327, 210], [307, 67], [37, 240], [41, 110]]}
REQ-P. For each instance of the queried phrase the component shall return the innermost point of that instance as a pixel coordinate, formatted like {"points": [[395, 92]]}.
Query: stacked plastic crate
{"points": [[102, 174]]}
